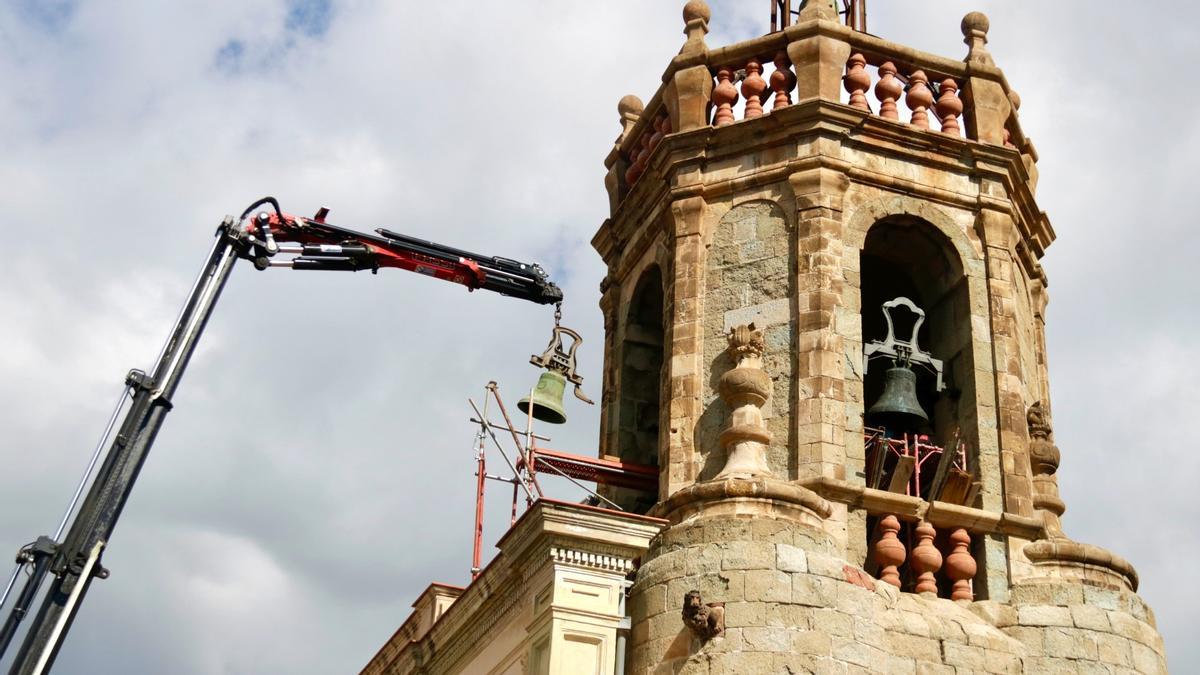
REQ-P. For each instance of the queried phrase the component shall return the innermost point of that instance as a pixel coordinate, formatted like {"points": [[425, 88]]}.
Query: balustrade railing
{"points": [[914, 556], [752, 79]]}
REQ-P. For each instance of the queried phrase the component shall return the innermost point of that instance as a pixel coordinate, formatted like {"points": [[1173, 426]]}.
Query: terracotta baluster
{"points": [[960, 565], [643, 156], [888, 91], [949, 106], [634, 170], [857, 81], [926, 559], [638, 158], [724, 95], [919, 98], [783, 80], [889, 551], [752, 89], [657, 136]]}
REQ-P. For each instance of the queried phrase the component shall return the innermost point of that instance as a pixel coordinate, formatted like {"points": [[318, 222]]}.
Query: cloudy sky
{"points": [[317, 471]]}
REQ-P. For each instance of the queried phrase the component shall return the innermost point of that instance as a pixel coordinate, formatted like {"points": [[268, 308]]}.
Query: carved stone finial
{"points": [[975, 29], [630, 109], [746, 341], [1044, 459], [745, 389], [705, 621], [696, 14]]}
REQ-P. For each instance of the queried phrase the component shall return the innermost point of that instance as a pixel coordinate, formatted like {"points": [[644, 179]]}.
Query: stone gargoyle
{"points": [[706, 621]]}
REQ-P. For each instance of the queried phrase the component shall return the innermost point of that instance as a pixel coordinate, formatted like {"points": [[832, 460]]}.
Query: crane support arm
{"points": [[318, 245]]}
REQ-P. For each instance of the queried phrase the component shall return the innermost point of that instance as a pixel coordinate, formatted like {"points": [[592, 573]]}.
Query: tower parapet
{"points": [[782, 190]]}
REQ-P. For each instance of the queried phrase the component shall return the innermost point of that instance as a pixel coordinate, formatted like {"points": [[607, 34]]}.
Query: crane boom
{"points": [[317, 245]]}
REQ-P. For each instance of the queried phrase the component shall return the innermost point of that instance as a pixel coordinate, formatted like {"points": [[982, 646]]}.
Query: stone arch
{"points": [[642, 360], [862, 218]]}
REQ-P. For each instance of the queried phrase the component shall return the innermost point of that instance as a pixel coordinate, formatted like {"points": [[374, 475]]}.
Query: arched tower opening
{"points": [[904, 256], [640, 403]]}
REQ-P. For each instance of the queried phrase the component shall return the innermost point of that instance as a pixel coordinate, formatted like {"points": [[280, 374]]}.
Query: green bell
{"points": [[547, 401], [898, 408]]}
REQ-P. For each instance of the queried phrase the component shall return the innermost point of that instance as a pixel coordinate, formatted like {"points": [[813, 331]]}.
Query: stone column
{"points": [[820, 409], [999, 235], [677, 451]]}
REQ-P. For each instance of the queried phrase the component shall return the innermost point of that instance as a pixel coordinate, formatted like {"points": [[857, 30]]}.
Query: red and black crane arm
{"points": [[317, 245]]}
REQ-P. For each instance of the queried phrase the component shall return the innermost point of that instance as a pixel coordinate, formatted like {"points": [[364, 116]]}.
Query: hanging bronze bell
{"points": [[898, 408], [547, 400]]}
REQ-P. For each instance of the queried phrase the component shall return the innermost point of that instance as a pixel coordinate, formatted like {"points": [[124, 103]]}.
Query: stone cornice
{"points": [[782, 135]]}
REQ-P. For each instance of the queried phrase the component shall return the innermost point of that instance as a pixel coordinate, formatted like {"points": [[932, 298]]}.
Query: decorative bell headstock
{"points": [[545, 404], [898, 406]]}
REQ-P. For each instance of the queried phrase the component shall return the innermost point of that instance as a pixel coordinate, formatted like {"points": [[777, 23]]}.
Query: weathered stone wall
{"points": [[790, 606], [748, 280], [1075, 627]]}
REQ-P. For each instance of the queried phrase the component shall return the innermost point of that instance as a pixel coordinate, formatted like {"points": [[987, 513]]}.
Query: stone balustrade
{"points": [[707, 88]]}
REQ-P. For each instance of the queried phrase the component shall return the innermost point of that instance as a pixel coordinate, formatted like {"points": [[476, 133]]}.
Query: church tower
{"points": [[824, 325]]}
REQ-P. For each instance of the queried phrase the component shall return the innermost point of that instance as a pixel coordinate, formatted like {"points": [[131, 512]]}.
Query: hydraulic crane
{"points": [[315, 245]]}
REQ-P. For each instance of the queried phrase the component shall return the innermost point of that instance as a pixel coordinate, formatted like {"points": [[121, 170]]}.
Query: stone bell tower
{"points": [[771, 204]]}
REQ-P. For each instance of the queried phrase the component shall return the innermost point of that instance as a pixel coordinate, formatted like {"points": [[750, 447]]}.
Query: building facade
{"points": [[789, 214]]}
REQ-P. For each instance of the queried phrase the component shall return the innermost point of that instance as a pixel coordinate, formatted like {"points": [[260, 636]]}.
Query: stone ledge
{"points": [[1075, 560], [740, 496]]}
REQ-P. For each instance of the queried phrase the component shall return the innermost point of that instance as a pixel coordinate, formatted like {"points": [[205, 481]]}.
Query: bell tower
{"points": [[824, 324]]}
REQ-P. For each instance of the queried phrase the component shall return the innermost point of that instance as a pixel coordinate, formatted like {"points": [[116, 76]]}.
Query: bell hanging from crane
{"points": [[545, 402], [898, 408]]}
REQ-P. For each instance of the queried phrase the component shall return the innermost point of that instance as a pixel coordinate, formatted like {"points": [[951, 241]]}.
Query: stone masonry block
{"points": [[826, 566], [813, 642], [768, 586], [814, 591], [1114, 649], [1043, 615], [1092, 618], [789, 558], [738, 614], [1071, 643], [748, 555], [855, 652], [767, 639], [965, 656]]}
